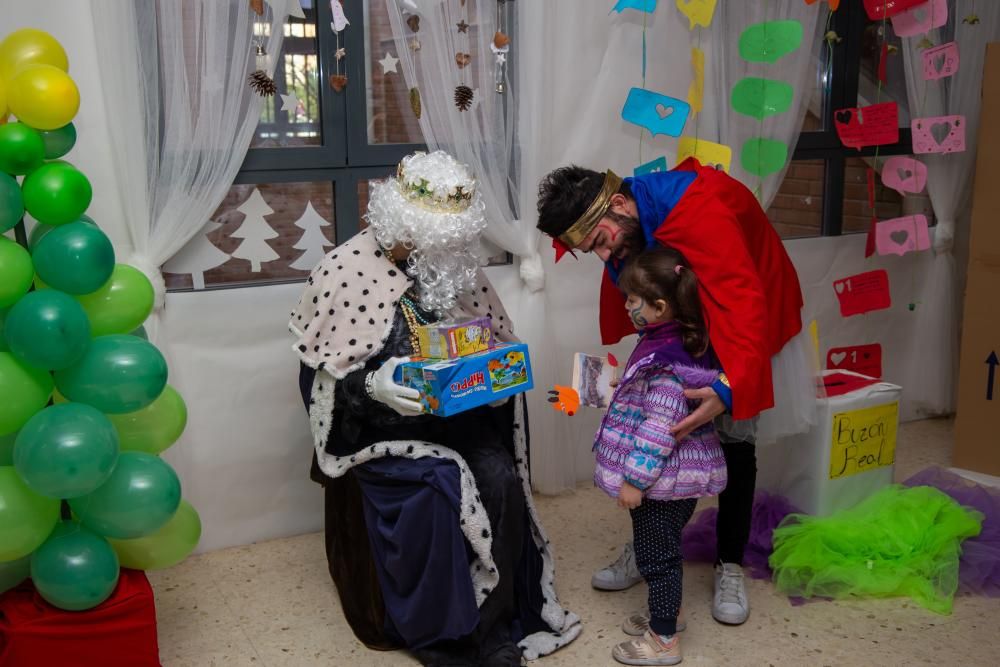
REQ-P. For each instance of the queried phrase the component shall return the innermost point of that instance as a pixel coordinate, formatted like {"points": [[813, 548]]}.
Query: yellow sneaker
{"points": [[650, 649], [637, 624]]}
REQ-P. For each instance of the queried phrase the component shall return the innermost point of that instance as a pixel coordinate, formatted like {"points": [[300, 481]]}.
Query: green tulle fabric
{"points": [[900, 542]]}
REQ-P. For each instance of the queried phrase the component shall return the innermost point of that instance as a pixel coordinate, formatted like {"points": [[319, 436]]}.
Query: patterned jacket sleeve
{"points": [[664, 406]]}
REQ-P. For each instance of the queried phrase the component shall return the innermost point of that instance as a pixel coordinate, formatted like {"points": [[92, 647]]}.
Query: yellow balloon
{"points": [[43, 97], [3, 102], [30, 47]]}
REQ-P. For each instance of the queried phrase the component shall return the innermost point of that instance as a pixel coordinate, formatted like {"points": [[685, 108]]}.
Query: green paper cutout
{"points": [[761, 98], [763, 157], [768, 42]]}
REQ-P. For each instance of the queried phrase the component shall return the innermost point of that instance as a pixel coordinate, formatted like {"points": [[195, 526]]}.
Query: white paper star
{"points": [[341, 52], [388, 63], [287, 8], [289, 102]]}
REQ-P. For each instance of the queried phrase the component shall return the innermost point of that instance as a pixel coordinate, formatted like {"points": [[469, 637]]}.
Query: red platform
{"points": [[119, 632]]}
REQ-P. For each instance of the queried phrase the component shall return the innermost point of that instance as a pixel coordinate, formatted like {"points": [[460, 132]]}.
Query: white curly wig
{"points": [[433, 209]]}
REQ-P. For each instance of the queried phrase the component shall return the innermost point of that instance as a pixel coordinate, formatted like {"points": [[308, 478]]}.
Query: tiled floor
{"points": [[273, 603]]}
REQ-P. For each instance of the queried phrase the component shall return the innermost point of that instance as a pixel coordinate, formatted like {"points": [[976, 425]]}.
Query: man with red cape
{"points": [[751, 299]]}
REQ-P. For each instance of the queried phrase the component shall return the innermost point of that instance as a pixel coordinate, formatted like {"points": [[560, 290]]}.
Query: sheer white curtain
{"points": [[483, 135], [724, 68], [180, 113], [949, 184]]}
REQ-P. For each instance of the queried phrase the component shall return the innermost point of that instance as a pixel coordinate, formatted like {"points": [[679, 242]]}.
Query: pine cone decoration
{"points": [[415, 102], [262, 84], [463, 98]]}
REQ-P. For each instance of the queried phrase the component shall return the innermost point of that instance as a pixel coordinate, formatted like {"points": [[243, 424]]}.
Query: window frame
{"points": [[849, 23]]}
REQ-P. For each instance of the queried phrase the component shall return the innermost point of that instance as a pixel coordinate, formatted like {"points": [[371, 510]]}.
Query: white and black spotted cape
{"points": [[343, 318]]}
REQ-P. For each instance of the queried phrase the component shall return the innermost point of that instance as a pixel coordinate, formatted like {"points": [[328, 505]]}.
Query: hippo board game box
{"points": [[450, 386]]}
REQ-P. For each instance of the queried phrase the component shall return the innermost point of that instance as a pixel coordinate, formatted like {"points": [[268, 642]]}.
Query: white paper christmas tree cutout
{"points": [[312, 241], [197, 256], [255, 231]]}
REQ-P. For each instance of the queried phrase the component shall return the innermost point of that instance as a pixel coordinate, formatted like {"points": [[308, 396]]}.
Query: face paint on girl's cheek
{"points": [[612, 233], [635, 312]]}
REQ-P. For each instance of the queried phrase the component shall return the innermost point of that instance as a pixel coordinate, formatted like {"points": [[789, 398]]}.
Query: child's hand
{"points": [[629, 497]]}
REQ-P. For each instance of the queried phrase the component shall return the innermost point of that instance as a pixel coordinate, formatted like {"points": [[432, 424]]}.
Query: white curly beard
{"points": [[444, 247]]}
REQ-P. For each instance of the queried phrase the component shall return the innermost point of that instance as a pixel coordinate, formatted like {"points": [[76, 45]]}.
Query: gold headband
{"points": [[575, 235]]}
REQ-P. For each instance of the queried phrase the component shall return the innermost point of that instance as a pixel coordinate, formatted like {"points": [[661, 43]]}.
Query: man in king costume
{"points": [[431, 534]]}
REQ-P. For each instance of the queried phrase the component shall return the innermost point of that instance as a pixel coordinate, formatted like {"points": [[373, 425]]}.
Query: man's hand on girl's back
{"points": [[711, 407]]}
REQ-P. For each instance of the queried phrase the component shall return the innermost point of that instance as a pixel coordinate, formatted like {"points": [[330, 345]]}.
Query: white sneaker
{"points": [[730, 605], [621, 574]]}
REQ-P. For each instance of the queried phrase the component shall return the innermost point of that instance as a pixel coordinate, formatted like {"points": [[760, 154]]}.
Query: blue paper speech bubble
{"points": [[660, 114], [641, 5], [659, 164]]}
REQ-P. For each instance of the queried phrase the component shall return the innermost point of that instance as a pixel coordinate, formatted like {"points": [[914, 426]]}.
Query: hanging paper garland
{"points": [[464, 95], [338, 80]]}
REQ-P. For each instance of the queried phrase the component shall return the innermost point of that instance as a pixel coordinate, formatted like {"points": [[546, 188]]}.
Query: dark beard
{"points": [[635, 241]]}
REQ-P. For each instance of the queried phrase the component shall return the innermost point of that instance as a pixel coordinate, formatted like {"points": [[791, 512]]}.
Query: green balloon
{"points": [[59, 142], [47, 329], [763, 157], [7, 449], [118, 374], [770, 41], [76, 258], [760, 98], [154, 428], [21, 148], [56, 193], [16, 272], [166, 547], [138, 499], [75, 569], [41, 229], [121, 304], [24, 390], [66, 450], [26, 518], [11, 202], [13, 572], [3, 341]]}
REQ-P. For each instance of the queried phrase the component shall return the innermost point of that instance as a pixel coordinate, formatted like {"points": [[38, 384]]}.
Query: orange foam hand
{"points": [[564, 399]]}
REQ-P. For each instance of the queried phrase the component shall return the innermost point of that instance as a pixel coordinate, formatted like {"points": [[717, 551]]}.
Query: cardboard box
{"points": [[456, 385], [978, 408], [848, 455], [448, 340]]}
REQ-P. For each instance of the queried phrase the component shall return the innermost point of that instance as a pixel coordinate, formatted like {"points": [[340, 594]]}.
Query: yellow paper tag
{"points": [[698, 12], [708, 153], [696, 90], [814, 336], [863, 440]]}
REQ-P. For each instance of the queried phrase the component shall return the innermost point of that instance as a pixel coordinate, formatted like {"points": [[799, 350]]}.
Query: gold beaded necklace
{"points": [[413, 321]]}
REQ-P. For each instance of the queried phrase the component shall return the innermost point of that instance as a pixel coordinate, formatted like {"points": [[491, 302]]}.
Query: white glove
{"points": [[404, 400]]}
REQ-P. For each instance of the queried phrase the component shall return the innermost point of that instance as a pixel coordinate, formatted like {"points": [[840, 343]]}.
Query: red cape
{"points": [[748, 286]]}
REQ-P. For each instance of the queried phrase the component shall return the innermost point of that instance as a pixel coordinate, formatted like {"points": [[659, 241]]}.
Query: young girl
{"points": [[638, 460]]}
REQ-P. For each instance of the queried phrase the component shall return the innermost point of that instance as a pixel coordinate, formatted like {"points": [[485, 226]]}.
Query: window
{"points": [[825, 191], [303, 184]]}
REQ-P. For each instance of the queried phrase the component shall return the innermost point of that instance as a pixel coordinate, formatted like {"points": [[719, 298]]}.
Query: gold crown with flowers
{"points": [[421, 189]]}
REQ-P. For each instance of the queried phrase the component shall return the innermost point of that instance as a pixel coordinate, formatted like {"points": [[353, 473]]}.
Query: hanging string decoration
{"points": [[464, 95], [338, 80], [413, 23], [259, 80], [500, 47]]}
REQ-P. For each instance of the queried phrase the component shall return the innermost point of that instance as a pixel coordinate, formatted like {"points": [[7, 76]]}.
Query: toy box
{"points": [[448, 340], [450, 386]]}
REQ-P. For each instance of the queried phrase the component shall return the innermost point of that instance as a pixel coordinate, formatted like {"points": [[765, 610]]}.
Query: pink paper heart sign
{"points": [[920, 19], [902, 235], [941, 61], [938, 134], [904, 174]]}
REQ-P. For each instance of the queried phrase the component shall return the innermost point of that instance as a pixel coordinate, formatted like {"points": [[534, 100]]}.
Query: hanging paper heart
{"points": [[414, 22], [698, 12], [462, 59], [500, 40], [904, 174], [338, 82], [660, 114], [939, 134]]}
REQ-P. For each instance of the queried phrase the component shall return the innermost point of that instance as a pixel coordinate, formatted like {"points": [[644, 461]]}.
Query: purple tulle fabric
{"points": [[979, 567], [698, 543]]}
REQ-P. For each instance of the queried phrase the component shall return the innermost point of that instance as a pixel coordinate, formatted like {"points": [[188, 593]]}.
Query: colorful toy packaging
{"points": [[448, 340], [450, 386]]}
